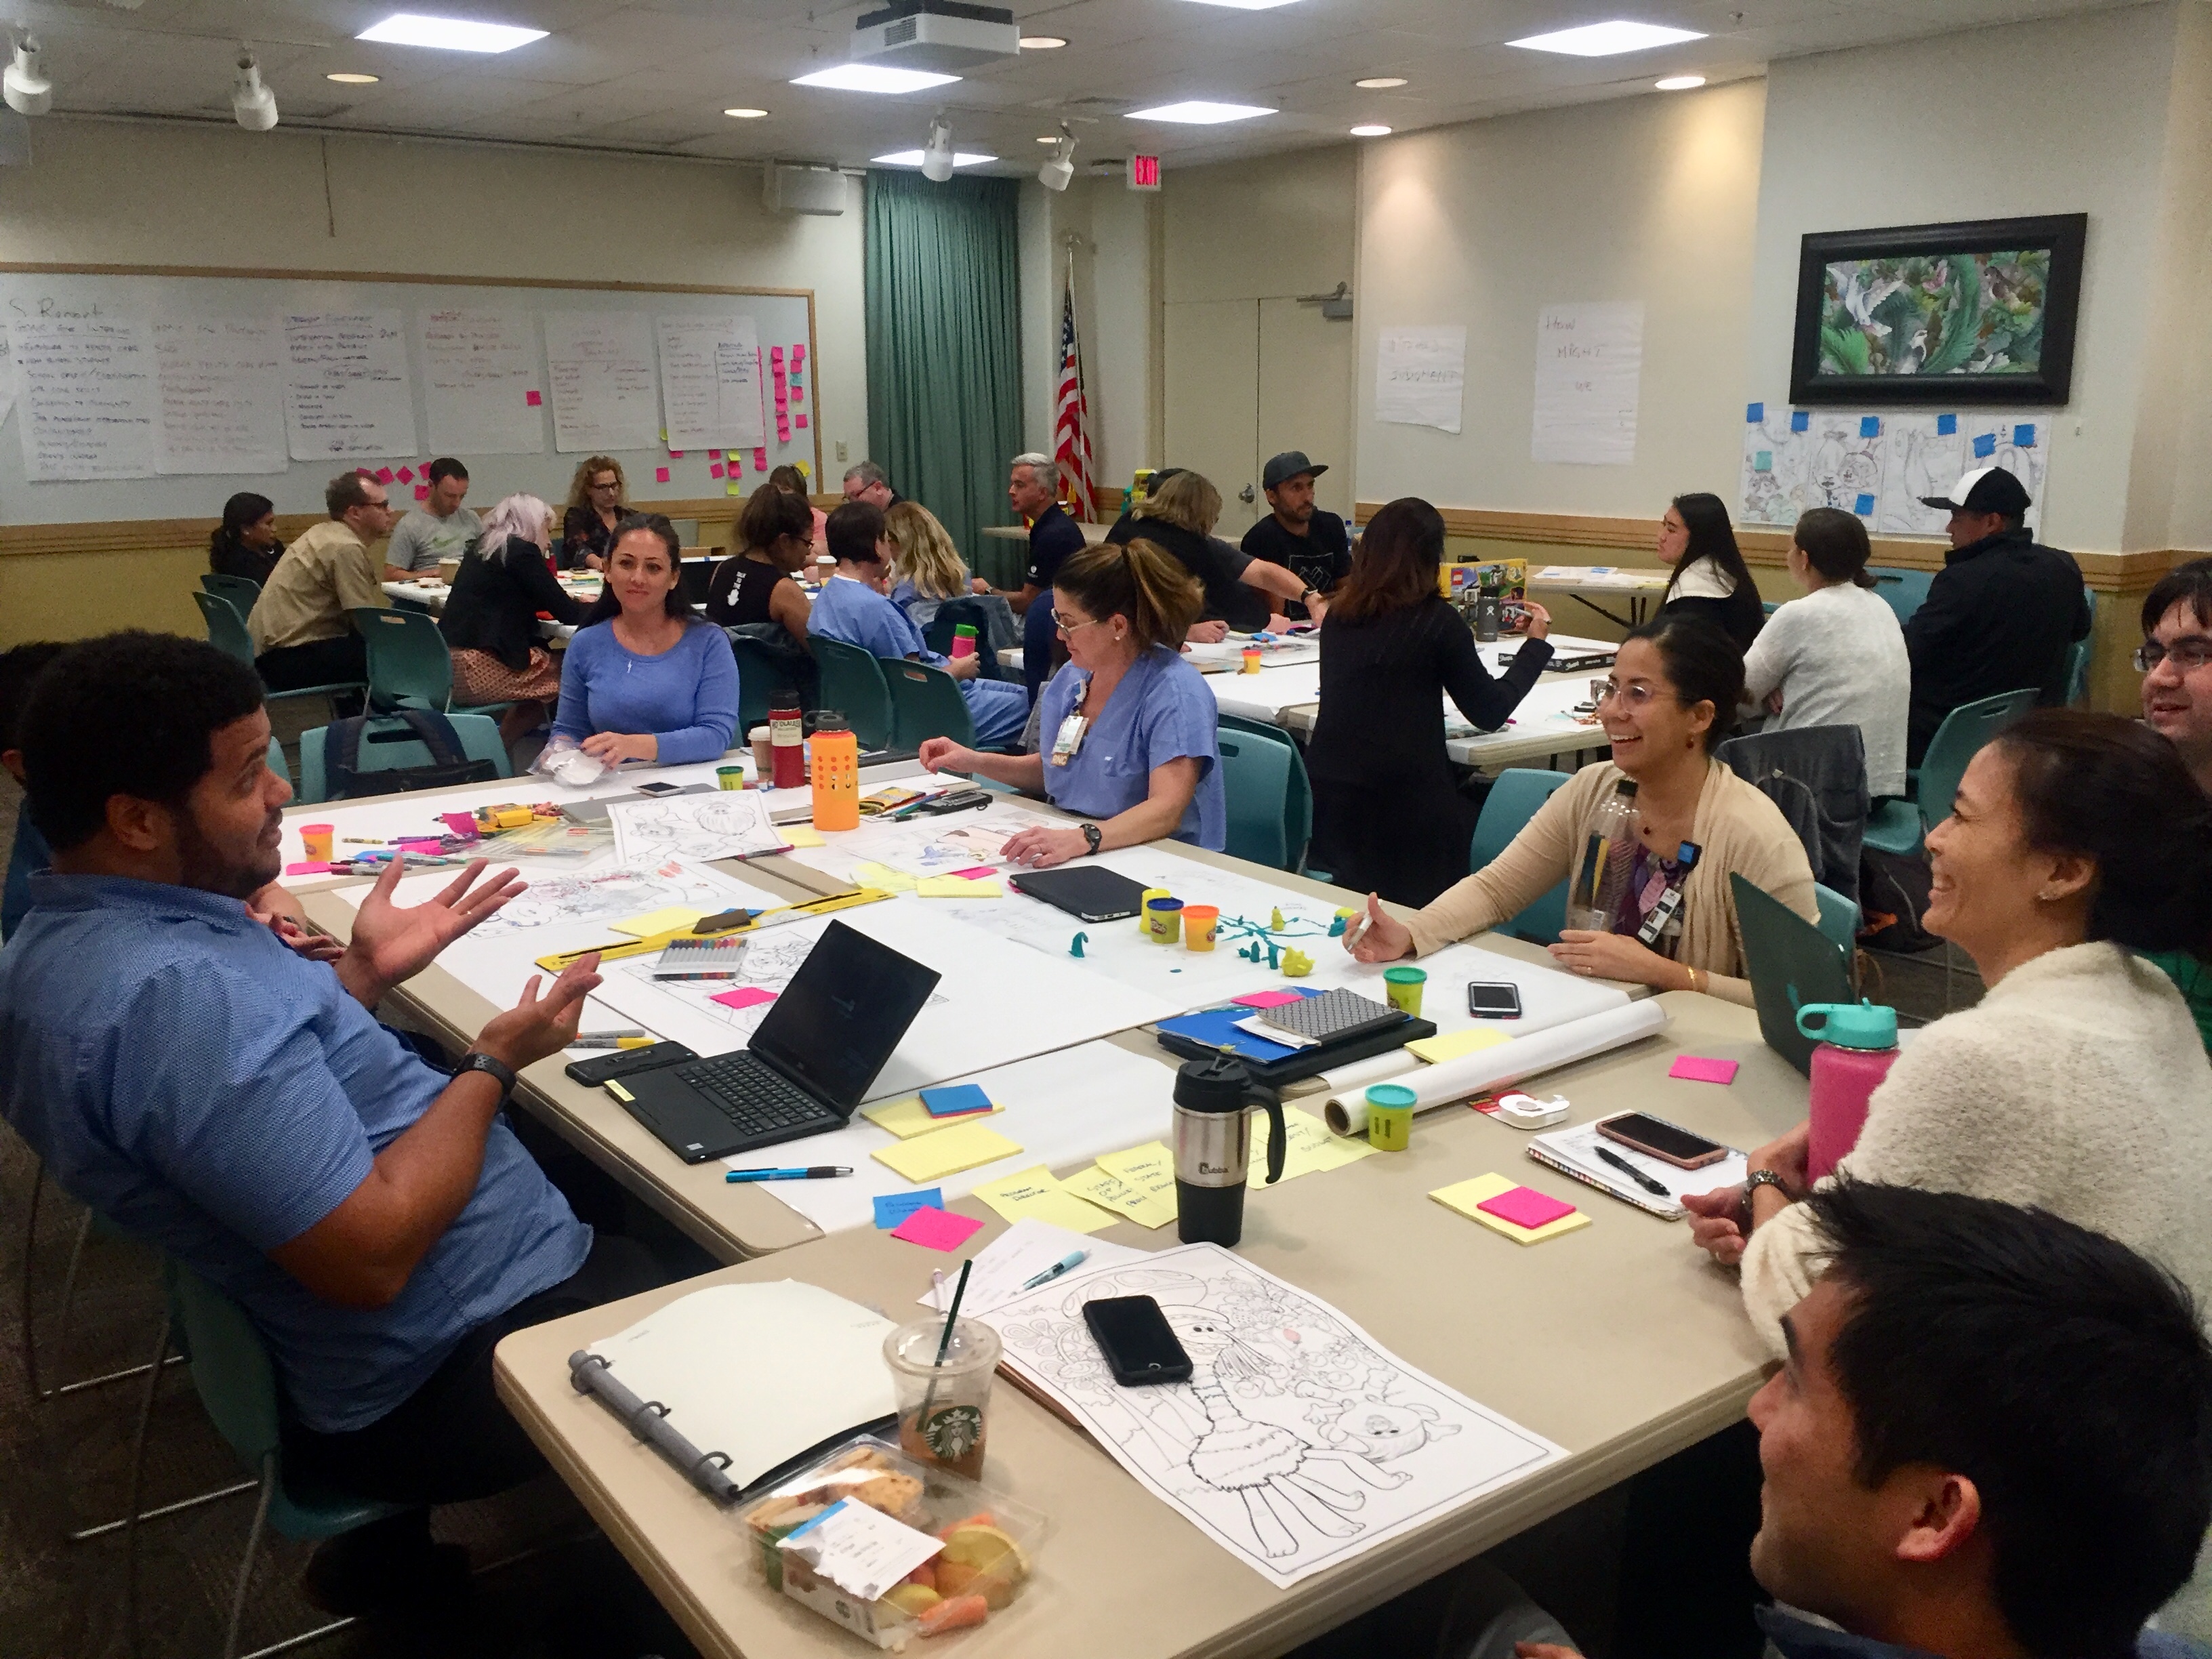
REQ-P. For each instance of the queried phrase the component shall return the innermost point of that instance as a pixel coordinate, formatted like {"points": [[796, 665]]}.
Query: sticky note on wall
{"points": [[1754, 413], [1946, 425], [1985, 444], [1800, 420]]}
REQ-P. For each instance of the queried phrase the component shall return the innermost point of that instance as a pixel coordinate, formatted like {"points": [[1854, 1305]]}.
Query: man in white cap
{"points": [[1999, 614], [1307, 541]]}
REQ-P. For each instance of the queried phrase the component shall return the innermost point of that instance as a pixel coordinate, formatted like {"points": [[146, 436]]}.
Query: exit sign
{"points": [[1143, 173]]}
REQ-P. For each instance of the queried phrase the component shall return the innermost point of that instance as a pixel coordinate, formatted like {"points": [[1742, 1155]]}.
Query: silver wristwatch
{"points": [[1759, 1178]]}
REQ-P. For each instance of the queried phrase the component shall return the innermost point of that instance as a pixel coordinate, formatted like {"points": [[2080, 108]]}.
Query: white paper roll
{"points": [[1346, 1109]]}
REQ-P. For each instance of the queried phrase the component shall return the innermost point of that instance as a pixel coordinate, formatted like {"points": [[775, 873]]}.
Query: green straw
{"points": [[944, 1343]]}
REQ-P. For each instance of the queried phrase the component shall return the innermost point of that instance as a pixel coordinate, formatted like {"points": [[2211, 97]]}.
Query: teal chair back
{"points": [[758, 676], [226, 627], [1839, 917], [1963, 732], [386, 744], [1903, 589], [1512, 801], [240, 591], [852, 683], [926, 702], [408, 665], [1298, 803], [1256, 776], [2077, 659]]}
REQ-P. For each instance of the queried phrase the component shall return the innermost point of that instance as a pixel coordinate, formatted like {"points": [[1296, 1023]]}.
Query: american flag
{"points": [[1070, 426]]}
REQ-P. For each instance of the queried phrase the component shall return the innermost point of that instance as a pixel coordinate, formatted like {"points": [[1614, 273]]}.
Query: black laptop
{"points": [[812, 1061]]}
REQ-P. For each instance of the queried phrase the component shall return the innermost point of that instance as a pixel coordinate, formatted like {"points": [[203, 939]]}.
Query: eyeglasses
{"points": [[1636, 694], [609, 484], [2187, 655], [1065, 629]]}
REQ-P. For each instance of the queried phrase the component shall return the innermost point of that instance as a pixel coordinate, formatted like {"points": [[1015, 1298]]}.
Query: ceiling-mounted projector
{"points": [[947, 35]]}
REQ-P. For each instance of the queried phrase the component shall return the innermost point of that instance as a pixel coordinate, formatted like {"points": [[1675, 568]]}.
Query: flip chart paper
{"points": [[221, 382], [478, 368], [1420, 376], [599, 365], [1589, 365], [347, 392], [89, 401]]}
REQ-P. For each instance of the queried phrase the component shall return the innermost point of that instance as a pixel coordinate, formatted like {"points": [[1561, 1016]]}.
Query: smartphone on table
{"points": [[1494, 1000], [1140, 1345], [1667, 1142]]}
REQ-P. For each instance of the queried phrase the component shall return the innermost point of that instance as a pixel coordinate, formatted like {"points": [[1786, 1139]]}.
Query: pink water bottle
{"points": [[1858, 1046]]}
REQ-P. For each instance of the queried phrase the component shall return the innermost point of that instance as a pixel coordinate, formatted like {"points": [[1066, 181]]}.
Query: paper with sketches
{"points": [[1420, 376], [1880, 466], [1298, 1443], [1590, 368], [723, 824]]}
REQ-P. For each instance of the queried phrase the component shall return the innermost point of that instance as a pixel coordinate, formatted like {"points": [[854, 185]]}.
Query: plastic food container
{"points": [[988, 1554]]}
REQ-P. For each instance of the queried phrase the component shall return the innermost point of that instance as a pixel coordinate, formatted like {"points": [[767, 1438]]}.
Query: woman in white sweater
{"points": [[1836, 657]]}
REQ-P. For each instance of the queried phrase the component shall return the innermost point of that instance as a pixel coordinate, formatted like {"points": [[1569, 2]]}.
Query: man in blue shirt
{"points": [[183, 1071], [853, 608]]}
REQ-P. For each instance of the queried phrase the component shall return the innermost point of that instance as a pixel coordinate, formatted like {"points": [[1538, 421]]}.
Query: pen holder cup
{"points": [[944, 1409]]}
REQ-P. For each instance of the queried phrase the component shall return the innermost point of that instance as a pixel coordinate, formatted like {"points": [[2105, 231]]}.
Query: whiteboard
{"points": [[221, 362]]}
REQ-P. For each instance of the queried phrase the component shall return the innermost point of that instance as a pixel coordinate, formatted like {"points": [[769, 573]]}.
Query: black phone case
{"points": [[1484, 1013], [1137, 1377], [627, 1062]]}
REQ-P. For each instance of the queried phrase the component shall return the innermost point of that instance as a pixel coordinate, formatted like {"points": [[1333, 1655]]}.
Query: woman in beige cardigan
{"points": [[1676, 682]]}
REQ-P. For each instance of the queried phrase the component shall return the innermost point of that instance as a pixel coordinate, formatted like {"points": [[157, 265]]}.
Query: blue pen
{"points": [[819, 1172], [1072, 1259]]}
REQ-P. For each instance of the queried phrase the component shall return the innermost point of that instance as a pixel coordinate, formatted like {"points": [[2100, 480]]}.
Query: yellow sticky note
{"points": [[958, 887], [733, 488], [883, 876], [908, 1118], [1312, 1150], [1452, 1044], [1035, 1193], [658, 922], [1151, 1167], [801, 835], [947, 1152], [1103, 1187], [1465, 1195]]}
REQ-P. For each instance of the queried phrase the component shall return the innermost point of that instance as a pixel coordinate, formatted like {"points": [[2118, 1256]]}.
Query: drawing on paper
{"points": [[610, 893], [1298, 1443], [1794, 459], [720, 824]]}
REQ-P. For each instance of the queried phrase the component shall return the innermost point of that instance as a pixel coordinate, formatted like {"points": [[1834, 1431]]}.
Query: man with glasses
{"points": [[865, 482], [2175, 661], [303, 634]]}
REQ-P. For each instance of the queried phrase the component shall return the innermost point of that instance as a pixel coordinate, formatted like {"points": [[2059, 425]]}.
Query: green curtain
{"points": [[944, 356]]}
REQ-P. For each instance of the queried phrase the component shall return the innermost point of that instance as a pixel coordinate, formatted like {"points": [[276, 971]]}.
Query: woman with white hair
{"points": [[491, 616]]}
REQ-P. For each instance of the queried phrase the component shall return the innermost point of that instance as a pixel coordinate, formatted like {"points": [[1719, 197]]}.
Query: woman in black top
{"points": [[245, 544], [1388, 817], [776, 537], [598, 496], [491, 621], [1710, 579]]}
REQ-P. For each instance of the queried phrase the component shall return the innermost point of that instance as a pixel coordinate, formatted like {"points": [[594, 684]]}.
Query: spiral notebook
{"points": [[1574, 1152]]}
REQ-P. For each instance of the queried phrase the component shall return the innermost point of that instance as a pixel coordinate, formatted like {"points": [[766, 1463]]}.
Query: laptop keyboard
{"points": [[754, 1098]]}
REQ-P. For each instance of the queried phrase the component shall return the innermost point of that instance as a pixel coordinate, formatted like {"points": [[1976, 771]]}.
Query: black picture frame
{"points": [[2064, 236]]}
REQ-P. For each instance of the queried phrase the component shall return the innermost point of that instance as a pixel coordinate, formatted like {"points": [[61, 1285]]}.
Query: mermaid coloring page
{"points": [[1298, 1443]]}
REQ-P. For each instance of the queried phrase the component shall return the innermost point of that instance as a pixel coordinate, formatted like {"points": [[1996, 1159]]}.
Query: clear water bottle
{"points": [[1608, 861]]}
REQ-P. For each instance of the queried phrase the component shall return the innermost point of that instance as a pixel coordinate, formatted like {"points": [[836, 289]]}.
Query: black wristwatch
{"points": [[1094, 835], [498, 1069]]}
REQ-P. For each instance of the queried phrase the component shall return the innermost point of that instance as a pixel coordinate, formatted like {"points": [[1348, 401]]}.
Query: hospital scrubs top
{"points": [[1161, 711]]}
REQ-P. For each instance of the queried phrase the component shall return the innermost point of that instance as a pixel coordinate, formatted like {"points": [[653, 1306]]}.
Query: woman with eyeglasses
{"points": [[2175, 661], [599, 496], [1128, 730], [1675, 686]]}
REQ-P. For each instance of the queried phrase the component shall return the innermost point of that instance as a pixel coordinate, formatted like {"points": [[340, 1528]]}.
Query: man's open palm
{"points": [[392, 943]]}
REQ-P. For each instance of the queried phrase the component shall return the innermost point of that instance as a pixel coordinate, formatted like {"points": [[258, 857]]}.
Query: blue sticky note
{"points": [[1946, 425], [1986, 446], [1754, 413], [1763, 461], [1800, 420], [954, 1098], [1869, 426], [896, 1208], [2023, 437], [1864, 506]]}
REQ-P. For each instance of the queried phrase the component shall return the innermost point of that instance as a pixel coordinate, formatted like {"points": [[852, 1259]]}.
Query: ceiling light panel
{"points": [[1244, 5], [1679, 83], [406, 29], [912, 158], [347, 78], [1607, 39], [1041, 43], [1371, 129], [874, 77], [1380, 82], [1199, 112], [745, 114]]}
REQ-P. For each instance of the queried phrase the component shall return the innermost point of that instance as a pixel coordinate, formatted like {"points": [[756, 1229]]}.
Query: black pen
{"points": [[1633, 1173], [819, 1172]]}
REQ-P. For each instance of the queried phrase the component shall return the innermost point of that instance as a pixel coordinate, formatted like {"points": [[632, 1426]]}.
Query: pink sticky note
{"points": [[1524, 1206], [782, 403], [677, 453], [760, 460], [430, 845], [463, 824], [751, 997], [800, 421], [383, 475], [534, 398], [1696, 1069], [798, 358], [939, 1230], [406, 475], [660, 475], [306, 869], [422, 492], [775, 356], [783, 429], [977, 872], [715, 471], [1266, 998]]}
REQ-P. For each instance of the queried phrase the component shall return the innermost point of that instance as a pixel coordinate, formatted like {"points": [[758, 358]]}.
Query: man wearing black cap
{"points": [[1999, 614], [1309, 542]]}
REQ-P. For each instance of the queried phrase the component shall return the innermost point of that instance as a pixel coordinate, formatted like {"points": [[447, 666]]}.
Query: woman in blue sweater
{"points": [[645, 679]]}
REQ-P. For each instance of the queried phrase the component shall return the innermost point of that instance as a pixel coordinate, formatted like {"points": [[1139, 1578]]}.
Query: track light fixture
{"points": [[254, 104], [24, 85], [937, 162], [1055, 173]]}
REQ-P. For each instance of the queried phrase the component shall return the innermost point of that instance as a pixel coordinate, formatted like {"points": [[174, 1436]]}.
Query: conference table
{"points": [[1619, 1341], [1581, 581]]}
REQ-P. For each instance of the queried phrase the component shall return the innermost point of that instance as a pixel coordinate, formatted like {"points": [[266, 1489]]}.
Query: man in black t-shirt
{"points": [[1307, 541]]}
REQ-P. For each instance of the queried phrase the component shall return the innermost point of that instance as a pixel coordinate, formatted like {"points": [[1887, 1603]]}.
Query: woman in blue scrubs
{"points": [[1129, 728]]}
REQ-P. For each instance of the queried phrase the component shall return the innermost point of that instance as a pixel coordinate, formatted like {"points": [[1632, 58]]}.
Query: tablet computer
{"points": [[1084, 891]]}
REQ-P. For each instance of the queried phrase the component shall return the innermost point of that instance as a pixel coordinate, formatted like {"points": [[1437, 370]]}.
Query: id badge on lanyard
{"points": [[1069, 739], [1662, 914]]}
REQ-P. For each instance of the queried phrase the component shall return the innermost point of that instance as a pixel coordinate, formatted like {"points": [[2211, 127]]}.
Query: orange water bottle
{"points": [[836, 773]]}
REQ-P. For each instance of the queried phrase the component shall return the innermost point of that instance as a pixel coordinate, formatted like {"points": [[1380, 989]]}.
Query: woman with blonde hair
{"points": [[1178, 518], [491, 620], [1131, 727], [599, 496], [929, 569], [754, 584]]}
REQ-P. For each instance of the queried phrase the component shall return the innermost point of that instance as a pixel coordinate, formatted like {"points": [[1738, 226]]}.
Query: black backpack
{"points": [[450, 765]]}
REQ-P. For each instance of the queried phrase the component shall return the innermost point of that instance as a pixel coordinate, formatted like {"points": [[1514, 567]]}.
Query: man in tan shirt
{"points": [[303, 635]]}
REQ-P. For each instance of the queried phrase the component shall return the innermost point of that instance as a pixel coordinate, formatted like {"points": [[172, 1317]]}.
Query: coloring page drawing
{"points": [[721, 824], [610, 892], [1298, 1442]]}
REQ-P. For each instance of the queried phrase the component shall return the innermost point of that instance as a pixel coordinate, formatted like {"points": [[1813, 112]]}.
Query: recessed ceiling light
{"points": [[912, 158], [1199, 112], [746, 114], [1041, 43], [347, 78], [873, 77], [1049, 138], [1604, 39], [1380, 82], [405, 29], [1370, 131], [1247, 5], [1679, 83]]}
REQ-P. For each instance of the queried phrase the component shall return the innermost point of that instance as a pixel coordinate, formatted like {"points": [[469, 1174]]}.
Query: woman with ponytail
{"points": [[1128, 729], [245, 544]]}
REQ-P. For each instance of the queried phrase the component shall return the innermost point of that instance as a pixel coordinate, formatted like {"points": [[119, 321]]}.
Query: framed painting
{"points": [[1978, 312]]}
